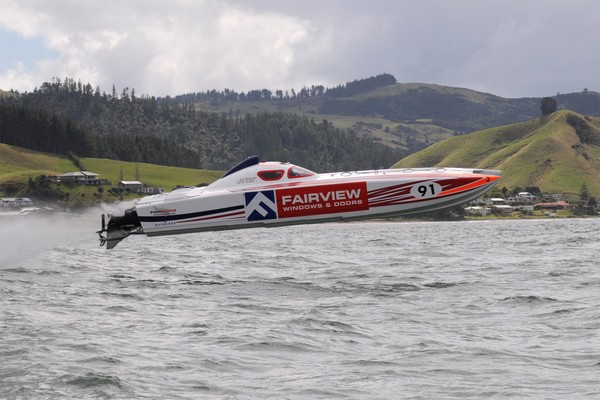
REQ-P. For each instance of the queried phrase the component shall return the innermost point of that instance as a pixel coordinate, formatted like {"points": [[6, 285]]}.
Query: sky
{"points": [[510, 48]]}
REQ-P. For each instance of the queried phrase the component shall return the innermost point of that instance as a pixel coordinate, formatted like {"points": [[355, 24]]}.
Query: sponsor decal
{"points": [[260, 206], [163, 211], [328, 199], [166, 223], [164, 214], [244, 181]]}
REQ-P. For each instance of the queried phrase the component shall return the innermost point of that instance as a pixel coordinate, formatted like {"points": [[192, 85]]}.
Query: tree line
{"points": [[346, 90], [450, 110], [62, 116], [41, 131]]}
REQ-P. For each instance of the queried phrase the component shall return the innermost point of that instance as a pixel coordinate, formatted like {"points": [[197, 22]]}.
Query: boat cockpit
{"points": [[252, 171]]}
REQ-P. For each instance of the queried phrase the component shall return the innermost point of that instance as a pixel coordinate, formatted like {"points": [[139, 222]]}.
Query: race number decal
{"points": [[425, 190]]}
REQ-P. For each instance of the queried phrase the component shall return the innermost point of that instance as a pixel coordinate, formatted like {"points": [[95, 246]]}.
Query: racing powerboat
{"points": [[269, 194]]}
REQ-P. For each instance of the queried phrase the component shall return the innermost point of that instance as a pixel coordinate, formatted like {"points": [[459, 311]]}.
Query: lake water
{"points": [[378, 310]]}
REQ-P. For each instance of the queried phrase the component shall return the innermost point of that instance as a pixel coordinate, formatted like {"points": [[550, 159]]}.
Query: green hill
{"points": [[17, 165], [558, 153], [404, 116]]}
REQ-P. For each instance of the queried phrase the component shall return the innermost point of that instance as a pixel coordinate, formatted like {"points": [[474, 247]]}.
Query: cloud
{"points": [[510, 47], [164, 47]]}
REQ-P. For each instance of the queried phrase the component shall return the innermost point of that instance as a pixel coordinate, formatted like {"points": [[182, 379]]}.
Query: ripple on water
{"points": [[530, 299]]}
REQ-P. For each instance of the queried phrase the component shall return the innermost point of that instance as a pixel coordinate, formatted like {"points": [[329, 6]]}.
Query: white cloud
{"points": [[187, 46]]}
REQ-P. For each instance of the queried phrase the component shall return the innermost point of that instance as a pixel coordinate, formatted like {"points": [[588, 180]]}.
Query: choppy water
{"points": [[383, 310]]}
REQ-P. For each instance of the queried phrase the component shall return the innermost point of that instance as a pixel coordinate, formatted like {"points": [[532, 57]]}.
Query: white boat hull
{"points": [[251, 197]]}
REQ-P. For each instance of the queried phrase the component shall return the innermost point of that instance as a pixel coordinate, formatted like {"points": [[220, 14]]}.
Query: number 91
{"points": [[425, 191]]}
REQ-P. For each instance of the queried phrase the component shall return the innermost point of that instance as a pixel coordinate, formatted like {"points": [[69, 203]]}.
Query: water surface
{"points": [[377, 310]]}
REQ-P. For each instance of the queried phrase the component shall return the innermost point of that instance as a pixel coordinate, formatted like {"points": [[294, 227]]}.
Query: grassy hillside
{"points": [[150, 174], [17, 165], [548, 152], [403, 88]]}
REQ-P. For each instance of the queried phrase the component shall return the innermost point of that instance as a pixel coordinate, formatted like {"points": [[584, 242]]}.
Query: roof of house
{"points": [[12, 199], [553, 204], [78, 173], [131, 182]]}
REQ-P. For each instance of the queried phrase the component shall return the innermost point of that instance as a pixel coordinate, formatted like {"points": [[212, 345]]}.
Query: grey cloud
{"points": [[512, 48]]}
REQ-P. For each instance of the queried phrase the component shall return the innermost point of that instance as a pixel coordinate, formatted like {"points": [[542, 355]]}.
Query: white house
{"points": [[503, 208], [524, 207], [138, 187], [16, 202], [152, 190], [476, 210], [526, 197], [134, 186], [80, 178], [494, 201]]}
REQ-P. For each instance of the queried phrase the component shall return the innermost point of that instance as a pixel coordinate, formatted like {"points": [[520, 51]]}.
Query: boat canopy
{"points": [[248, 162], [293, 172], [299, 172], [269, 174]]}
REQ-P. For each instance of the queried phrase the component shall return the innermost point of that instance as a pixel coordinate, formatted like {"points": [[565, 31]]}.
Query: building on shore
{"points": [[15, 202], [80, 178]]}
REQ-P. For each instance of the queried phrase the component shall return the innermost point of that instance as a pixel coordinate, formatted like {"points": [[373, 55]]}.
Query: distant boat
{"points": [[270, 194]]}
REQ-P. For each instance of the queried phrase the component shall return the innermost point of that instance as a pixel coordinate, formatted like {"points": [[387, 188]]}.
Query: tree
{"points": [[584, 193], [548, 105], [592, 204]]}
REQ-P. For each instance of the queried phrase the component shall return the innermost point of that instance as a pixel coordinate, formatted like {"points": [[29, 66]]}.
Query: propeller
{"points": [[101, 231]]}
